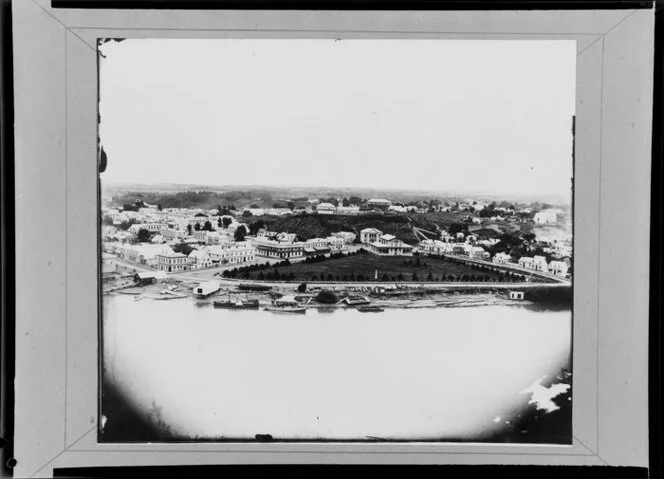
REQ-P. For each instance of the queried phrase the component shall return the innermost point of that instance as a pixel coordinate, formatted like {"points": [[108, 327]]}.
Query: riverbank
{"points": [[413, 299]]}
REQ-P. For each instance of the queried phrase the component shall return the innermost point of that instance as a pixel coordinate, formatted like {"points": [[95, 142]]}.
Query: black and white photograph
{"points": [[336, 240]]}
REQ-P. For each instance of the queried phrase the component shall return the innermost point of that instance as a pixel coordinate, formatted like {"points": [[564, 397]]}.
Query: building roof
{"points": [[152, 274]]}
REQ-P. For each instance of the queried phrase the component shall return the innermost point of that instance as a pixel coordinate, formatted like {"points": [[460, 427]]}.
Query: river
{"points": [[417, 374]]}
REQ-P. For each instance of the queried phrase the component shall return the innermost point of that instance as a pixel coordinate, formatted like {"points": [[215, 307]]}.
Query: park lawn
{"points": [[366, 265]]}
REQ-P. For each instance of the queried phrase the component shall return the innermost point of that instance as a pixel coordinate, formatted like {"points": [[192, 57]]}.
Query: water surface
{"points": [[401, 374]]}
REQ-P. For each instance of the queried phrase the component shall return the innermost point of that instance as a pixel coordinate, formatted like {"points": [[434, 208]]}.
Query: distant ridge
{"points": [[365, 191]]}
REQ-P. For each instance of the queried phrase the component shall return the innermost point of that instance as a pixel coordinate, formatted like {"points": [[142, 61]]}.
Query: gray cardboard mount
{"points": [[57, 238]]}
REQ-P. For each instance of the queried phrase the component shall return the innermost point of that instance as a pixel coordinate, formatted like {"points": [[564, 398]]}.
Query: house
{"points": [[477, 252], [540, 264], [218, 253], [526, 262], [265, 233], [389, 245], [516, 295], [559, 268], [370, 235], [326, 209], [199, 259], [502, 258]]}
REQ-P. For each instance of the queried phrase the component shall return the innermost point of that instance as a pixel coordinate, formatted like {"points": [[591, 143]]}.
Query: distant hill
{"points": [[399, 225]]}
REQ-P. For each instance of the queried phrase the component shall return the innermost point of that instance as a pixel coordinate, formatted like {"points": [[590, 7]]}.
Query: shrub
{"points": [[302, 288], [326, 297]]}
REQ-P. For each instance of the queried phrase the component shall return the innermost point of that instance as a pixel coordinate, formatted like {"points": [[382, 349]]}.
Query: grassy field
{"points": [[364, 266]]}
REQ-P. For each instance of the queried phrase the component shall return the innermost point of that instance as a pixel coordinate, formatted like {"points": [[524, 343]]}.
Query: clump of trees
{"points": [[183, 248], [240, 233], [143, 235]]}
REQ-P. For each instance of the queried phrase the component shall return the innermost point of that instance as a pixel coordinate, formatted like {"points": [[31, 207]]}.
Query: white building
{"points": [[559, 268], [388, 245], [370, 235], [477, 252], [379, 203], [502, 258], [348, 210], [326, 209], [241, 252], [335, 243], [172, 262], [526, 262], [540, 264], [287, 237], [347, 236], [144, 253], [277, 249], [434, 247], [199, 259], [546, 216]]}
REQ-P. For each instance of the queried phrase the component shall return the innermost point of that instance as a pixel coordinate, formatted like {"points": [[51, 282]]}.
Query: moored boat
{"points": [[239, 304], [286, 309], [370, 309]]}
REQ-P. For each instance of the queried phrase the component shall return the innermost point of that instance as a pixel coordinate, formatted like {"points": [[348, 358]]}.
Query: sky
{"points": [[483, 116]]}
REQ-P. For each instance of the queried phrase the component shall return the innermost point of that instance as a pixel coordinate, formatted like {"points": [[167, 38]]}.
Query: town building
{"points": [[370, 235], [144, 253], [379, 204], [198, 259], [477, 252], [502, 258], [326, 209], [348, 210], [559, 268], [389, 245], [241, 252], [277, 249], [434, 247], [546, 216], [540, 264], [316, 246], [347, 236], [151, 227], [335, 243], [526, 262], [150, 277], [287, 237], [172, 262]]}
